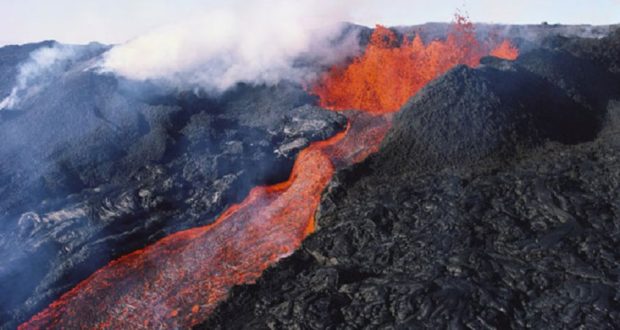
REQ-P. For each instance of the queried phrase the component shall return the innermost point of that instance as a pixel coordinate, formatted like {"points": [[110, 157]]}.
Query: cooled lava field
{"points": [[493, 202], [478, 189]]}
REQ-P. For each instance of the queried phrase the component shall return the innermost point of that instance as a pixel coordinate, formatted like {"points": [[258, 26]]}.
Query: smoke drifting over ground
{"points": [[259, 44], [43, 65]]}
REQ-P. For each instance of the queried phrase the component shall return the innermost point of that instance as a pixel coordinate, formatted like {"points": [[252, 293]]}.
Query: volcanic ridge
{"points": [[448, 176], [492, 203]]}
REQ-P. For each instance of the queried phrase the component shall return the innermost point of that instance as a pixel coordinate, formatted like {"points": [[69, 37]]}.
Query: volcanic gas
{"points": [[178, 281]]}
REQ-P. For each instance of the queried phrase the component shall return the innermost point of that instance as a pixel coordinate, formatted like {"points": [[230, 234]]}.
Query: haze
{"points": [[116, 21]]}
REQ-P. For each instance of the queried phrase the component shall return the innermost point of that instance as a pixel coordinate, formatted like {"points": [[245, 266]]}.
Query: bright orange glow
{"points": [[506, 51], [391, 70], [178, 281]]}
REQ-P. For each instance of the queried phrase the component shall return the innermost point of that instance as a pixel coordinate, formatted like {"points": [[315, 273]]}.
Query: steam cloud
{"points": [[257, 44], [37, 72]]}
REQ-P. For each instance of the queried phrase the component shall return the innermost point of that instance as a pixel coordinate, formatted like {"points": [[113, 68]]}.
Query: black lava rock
{"points": [[93, 167], [493, 203]]}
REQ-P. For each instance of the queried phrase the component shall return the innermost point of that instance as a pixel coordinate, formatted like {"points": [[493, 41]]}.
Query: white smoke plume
{"points": [[256, 44], [37, 72]]}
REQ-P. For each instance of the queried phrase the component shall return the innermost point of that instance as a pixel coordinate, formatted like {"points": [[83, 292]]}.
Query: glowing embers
{"points": [[178, 281], [391, 71]]}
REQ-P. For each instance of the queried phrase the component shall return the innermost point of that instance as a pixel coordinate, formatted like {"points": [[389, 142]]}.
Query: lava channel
{"points": [[178, 281]]}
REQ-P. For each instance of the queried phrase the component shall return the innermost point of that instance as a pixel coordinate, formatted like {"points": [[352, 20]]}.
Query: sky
{"points": [[116, 21]]}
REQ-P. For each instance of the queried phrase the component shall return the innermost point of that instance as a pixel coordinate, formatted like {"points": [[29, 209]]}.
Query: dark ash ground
{"points": [[94, 167], [493, 203]]}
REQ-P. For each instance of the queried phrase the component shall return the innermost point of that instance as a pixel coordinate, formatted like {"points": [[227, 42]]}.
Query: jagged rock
{"points": [[493, 203], [93, 167]]}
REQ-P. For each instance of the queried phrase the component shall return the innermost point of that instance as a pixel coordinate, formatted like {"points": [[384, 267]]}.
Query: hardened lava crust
{"points": [[494, 202]]}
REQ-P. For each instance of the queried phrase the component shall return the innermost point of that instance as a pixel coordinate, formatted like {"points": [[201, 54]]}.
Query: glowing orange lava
{"points": [[506, 50], [178, 281], [391, 70]]}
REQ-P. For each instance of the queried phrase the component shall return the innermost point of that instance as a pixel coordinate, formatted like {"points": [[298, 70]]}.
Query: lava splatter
{"points": [[392, 70]]}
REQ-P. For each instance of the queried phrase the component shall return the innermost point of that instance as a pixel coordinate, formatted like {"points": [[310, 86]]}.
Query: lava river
{"points": [[179, 280]]}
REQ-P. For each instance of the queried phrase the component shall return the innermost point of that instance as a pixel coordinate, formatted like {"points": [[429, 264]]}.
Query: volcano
{"points": [[447, 175], [237, 247], [491, 203]]}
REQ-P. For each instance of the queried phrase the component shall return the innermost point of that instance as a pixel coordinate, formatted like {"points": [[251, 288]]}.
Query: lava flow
{"points": [[178, 281]]}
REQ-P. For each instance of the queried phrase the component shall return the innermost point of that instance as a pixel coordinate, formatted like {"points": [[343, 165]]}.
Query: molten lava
{"points": [[178, 281], [392, 70], [506, 50]]}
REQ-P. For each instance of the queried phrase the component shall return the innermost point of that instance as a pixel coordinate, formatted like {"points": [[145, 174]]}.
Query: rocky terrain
{"points": [[493, 203], [493, 200], [93, 167]]}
